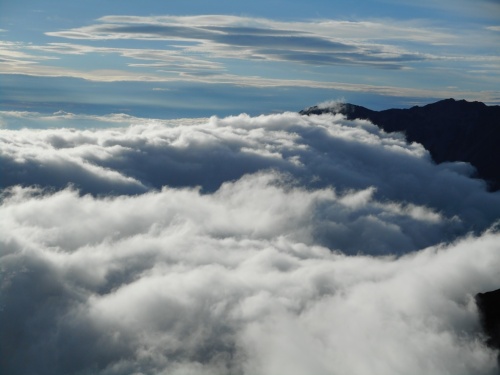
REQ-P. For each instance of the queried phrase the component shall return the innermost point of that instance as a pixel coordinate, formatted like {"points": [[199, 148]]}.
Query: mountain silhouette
{"points": [[451, 130], [489, 310]]}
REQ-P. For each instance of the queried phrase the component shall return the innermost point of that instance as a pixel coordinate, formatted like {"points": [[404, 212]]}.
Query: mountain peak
{"points": [[452, 130]]}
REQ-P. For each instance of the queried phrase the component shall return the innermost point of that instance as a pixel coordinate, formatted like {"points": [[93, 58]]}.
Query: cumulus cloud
{"points": [[240, 245], [353, 158], [227, 283]]}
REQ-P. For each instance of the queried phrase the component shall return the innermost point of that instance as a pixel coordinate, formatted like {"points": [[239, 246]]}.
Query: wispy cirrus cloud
{"points": [[158, 57], [259, 52], [320, 42], [12, 53], [482, 8], [225, 79]]}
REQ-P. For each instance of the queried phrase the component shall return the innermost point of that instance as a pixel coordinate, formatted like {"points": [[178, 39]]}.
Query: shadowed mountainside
{"points": [[489, 308], [452, 130]]}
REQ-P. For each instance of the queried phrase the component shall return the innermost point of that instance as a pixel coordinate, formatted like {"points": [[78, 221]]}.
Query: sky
{"points": [[178, 59], [165, 208]]}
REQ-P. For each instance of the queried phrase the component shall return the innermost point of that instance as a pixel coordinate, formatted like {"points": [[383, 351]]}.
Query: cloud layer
{"points": [[373, 56], [369, 174], [241, 245], [251, 38], [178, 282]]}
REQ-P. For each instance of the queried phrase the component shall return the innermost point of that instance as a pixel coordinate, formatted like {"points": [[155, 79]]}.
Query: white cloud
{"points": [[175, 281], [386, 190], [331, 104], [240, 245]]}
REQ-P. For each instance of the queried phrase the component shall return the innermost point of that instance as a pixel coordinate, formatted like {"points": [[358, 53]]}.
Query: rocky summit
{"points": [[451, 130]]}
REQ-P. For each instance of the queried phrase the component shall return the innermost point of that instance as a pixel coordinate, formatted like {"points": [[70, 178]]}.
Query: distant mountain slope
{"points": [[452, 130]]}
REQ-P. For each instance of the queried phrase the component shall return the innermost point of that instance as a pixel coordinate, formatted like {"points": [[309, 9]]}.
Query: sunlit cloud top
{"points": [[239, 246]]}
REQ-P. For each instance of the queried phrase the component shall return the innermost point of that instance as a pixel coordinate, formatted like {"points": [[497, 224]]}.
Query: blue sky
{"points": [[199, 58]]}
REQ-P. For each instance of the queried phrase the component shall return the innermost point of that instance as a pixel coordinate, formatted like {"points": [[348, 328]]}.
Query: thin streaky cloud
{"points": [[424, 54], [107, 75], [266, 39]]}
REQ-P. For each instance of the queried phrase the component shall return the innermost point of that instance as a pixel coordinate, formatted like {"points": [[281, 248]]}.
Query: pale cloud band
{"points": [[208, 49], [323, 43]]}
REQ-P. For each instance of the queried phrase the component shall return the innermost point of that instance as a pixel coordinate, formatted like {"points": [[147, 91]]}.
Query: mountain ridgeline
{"points": [[451, 130]]}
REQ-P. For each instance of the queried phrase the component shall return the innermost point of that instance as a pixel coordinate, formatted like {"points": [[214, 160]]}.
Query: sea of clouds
{"points": [[278, 244]]}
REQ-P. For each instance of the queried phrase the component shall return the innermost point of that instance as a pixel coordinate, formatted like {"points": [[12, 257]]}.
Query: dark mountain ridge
{"points": [[451, 130], [489, 310]]}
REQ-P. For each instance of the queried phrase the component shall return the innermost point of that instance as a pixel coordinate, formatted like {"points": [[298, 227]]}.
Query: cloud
{"points": [[33, 120], [158, 57], [203, 49], [246, 38], [224, 24], [227, 283], [482, 9], [387, 190], [240, 245], [332, 104], [211, 83], [314, 54], [12, 54]]}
